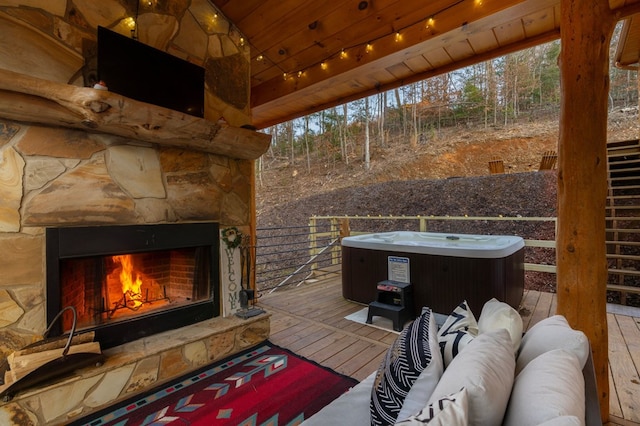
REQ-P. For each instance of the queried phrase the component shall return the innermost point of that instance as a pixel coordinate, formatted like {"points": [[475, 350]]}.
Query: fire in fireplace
{"points": [[127, 282]]}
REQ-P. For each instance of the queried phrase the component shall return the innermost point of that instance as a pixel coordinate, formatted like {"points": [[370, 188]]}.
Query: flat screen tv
{"points": [[141, 72]]}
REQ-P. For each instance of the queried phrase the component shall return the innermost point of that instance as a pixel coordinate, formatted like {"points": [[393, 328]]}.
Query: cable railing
{"points": [[297, 254], [288, 256]]}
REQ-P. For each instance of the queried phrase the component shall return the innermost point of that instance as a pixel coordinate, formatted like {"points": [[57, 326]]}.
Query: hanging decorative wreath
{"points": [[232, 237]]}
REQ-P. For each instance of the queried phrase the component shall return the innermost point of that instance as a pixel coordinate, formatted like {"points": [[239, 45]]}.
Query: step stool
{"points": [[393, 301]]}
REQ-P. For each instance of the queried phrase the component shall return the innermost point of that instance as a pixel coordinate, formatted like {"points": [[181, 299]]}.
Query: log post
{"points": [[586, 28]]}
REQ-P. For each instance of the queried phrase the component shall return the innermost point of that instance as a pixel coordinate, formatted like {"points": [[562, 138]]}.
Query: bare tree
{"points": [[343, 139], [367, 160]]}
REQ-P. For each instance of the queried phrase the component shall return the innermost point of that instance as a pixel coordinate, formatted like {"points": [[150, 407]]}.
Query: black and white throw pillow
{"points": [[404, 361], [458, 330]]}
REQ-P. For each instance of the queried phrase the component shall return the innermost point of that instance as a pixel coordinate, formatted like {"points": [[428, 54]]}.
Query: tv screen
{"points": [[141, 72]]}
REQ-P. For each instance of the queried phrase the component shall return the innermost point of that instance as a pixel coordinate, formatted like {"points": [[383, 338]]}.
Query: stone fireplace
{"points": [[83, 170]]}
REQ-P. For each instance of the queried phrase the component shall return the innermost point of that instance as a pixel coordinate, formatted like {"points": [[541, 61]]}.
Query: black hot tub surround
{"points": [[444, 269], [81, 260]]}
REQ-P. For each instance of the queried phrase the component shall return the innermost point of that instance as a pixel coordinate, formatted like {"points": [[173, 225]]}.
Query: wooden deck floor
{"points": [[309, 320]]}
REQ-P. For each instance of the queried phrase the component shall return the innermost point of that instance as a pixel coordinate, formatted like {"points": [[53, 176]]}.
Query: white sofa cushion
{"points": [[451, 410], [550, 386], [458, 330], [407, 357], [552, 333], [427, 380], [496, 315], [486, 369]]}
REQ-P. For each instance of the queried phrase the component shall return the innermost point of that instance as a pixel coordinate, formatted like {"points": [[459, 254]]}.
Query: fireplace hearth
{"points": [[128, 282]]}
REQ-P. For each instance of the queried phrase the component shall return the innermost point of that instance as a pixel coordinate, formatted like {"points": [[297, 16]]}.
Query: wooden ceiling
{"points": [[628, 52], [296, 45]]}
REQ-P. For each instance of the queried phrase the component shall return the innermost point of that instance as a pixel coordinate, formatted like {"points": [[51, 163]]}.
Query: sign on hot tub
{"points": [[445, 268]]}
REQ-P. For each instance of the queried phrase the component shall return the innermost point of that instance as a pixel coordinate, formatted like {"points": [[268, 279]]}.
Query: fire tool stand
{"points": [[394, 301]]}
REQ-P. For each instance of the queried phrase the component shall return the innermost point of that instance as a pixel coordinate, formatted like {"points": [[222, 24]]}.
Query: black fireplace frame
{"points": [[87, 241]]}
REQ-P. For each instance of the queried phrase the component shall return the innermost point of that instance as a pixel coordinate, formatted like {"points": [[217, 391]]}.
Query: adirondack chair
{"points": [[548, 161], [496, 166]]}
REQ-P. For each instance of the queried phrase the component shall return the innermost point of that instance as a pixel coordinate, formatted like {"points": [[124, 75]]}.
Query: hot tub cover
{"points": [[443, 244]]}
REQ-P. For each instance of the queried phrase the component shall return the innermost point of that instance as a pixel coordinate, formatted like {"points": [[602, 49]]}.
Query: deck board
{"points": [[310, 321], [623, 370]]}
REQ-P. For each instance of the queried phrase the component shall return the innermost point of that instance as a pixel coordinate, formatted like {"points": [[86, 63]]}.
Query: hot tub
{"points": [[444, 269]]}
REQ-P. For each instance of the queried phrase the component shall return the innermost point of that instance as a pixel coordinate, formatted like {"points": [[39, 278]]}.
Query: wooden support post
{"points": [[582, 177], [345, 228], [313, 241]]}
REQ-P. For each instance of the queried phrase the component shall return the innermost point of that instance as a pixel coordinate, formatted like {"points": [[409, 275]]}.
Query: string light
{"points": [[430, 22], [369, 46]]}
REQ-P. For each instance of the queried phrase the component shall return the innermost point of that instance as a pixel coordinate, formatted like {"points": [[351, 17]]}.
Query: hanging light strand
{"points": [[343, 53]]}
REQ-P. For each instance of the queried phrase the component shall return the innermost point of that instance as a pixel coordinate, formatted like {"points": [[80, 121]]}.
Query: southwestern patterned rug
{"points": [[265, 385]]}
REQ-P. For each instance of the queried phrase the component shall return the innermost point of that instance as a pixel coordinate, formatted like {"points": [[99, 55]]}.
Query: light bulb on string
{"points": [[430, 22]]}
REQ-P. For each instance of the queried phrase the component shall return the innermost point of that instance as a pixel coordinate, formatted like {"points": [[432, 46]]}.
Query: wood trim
{"points": [[258, 105], [34, 100]]}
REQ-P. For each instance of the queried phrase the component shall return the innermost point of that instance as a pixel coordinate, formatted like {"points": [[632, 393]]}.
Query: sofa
{"points": [[456, 370]]}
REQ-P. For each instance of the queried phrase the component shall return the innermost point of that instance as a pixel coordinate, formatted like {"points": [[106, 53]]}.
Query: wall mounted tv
{"points": [[141, 72]]}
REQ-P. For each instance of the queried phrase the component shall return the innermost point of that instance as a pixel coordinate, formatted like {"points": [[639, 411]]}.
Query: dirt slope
{"points": [[447, 175]]}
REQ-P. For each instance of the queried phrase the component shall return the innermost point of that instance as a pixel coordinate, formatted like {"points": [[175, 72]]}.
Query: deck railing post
{"points": [[335, 235], [313, 242], [423, 224], [345, 231]]}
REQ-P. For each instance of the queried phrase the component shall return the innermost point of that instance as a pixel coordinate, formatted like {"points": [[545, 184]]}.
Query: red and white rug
{"points": [[266, 385]]}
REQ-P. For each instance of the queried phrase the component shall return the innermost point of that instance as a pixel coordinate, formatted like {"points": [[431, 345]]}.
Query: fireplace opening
{"points": [[127, 282]]}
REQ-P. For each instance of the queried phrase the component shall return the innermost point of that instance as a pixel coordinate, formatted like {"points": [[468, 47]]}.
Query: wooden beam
{"points": [[33, 100], [387, 51], [262, 121], [582, 177]]}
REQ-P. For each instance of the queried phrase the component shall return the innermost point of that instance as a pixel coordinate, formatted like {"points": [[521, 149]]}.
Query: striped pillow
{"points": [[458, 330], [404, 361]]}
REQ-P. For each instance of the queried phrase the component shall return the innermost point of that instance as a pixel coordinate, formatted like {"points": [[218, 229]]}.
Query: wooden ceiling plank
{"points": [[539, 22], [418, 64], [438, 57], [509, 32], [483, 41], [460, 50], [450, 19], [307, 47], [400, 71], [294, 16], [235, 11], [378, 24]]}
